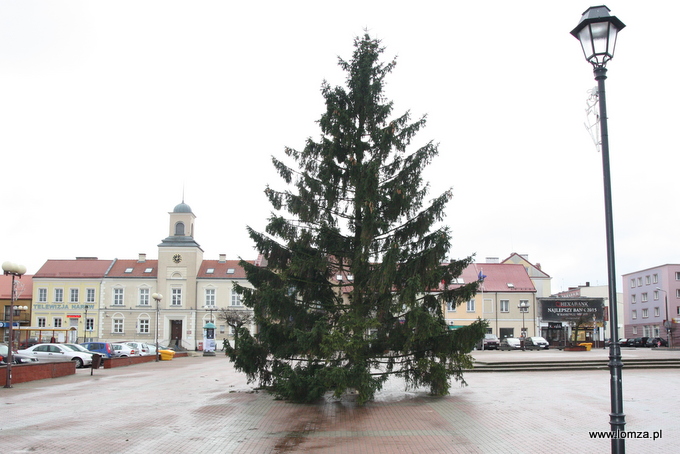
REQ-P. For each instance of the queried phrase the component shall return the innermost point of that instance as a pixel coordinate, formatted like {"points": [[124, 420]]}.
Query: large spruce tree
{"points": [[356, 272]]}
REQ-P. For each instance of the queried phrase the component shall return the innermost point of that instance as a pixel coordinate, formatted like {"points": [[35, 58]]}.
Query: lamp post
{"points": [[597, 33], [14, 270], [667, 322], [157, 297], [85, 326], [523, 308]]}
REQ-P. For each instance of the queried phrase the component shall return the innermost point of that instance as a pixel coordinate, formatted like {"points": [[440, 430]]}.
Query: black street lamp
{"points": [[157, 297], [667, 322], [597, 33], [523, 308], [14, 270]]}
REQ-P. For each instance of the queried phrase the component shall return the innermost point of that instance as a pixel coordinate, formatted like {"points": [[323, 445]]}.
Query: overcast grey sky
{"points": [[110, 110]]}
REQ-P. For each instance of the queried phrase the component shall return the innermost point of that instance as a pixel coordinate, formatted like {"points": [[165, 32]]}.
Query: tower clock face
{"points": [[176, 258]]}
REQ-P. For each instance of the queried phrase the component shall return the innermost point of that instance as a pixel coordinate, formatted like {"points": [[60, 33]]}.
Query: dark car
{"points": [[511, 343], [637, 342], [103, 348], [626, 342], [490, 342], [536, 342], [657, 342]]}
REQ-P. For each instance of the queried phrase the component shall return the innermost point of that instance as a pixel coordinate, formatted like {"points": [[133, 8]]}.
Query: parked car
{"points": [[657, 342], [142, 348], [510, 343], [536, 342], [16, 357], [103, 348], [123, 350], [489, 342], [625, 342], [58, 352], [29, 343], [639, 342]]}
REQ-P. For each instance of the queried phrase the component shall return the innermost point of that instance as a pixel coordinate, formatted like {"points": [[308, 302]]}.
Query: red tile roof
{"points": [[500, 277], [136, 269], [229, 269], [24, 287], [78, 269]]}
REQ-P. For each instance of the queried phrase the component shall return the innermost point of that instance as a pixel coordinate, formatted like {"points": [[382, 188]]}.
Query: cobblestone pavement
{"points": [[201, 405]]}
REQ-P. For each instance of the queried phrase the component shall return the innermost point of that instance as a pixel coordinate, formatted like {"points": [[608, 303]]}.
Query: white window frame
{"points": [[89, 295], [144, 295], [657, 312], [42, 295], [633, 315], [450, 306], [143, 325], [645, 313], [57, 322], [504, 305], [118, 325], [633, 300], [210, 297], [89, 324], [235, 298], [118, 296], [176, 298], [74, 295], [470, 306], [58, 295], [644, 297], [655, 278], [42, 322]]}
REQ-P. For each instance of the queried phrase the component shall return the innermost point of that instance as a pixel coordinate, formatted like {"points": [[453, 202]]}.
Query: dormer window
{"points": [[148, 270], [128, 270], [230, 271], [210, 271]]}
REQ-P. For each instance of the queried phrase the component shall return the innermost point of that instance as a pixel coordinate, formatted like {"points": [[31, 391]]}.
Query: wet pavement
{"points": [[201, 405]]}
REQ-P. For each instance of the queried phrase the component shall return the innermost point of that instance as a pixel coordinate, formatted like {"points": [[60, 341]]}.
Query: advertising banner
{"points": [[572, 309]]}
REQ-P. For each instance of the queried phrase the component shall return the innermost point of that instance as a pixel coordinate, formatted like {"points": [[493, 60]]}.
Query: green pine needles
{"points": [[355, 277]]}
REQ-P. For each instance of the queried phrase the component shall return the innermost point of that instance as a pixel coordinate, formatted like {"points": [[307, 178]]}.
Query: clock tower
{"points": [[179, 259]]}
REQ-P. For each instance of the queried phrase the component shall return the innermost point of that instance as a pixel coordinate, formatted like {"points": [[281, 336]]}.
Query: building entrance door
{"points": [[176, 332]]}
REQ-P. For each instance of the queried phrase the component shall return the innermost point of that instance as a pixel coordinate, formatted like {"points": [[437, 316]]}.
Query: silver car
{"points": [[123, 350], [58, 352], [16, 358], [141, 348]]}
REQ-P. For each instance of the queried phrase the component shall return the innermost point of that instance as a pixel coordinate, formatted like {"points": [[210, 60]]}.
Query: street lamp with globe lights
{"points": [[157, 297], [523, 308], [597, 32], [14, 270]]}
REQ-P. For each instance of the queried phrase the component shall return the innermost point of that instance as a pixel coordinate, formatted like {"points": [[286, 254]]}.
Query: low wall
{"points": [[28, 372], [131, 360], [128, 361]]}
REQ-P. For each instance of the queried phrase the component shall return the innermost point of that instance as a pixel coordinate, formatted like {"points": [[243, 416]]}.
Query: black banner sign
{"points": [[572, 309]]}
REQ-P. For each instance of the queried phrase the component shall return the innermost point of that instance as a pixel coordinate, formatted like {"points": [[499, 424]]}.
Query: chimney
{"points": [[223, 258], [142, 257]]}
